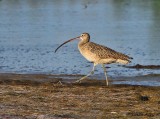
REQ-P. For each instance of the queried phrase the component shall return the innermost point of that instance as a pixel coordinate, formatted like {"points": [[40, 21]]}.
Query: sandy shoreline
{"points": [[11, 78], [29, 96]]}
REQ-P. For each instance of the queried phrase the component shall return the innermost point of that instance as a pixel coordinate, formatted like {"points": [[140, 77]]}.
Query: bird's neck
{"points": [[81, 43]]}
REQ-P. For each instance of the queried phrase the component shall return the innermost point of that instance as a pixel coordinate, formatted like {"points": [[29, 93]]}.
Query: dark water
{"points": [[30, 30]]}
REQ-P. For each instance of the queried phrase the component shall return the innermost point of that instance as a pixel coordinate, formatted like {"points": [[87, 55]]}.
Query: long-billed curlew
{"points": [[98, 54]]}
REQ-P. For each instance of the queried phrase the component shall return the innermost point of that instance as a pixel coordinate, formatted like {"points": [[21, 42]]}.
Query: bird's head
{"points": [[84, 37]]}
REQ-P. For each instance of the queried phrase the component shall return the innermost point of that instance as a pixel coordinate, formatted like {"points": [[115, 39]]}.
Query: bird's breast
{"points": [[86, 52]]}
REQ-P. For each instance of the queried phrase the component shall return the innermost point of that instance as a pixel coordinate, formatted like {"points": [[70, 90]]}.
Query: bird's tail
{"points": [[126, 61]]}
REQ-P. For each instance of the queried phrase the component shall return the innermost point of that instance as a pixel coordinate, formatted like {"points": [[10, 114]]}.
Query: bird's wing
{"points": [[105, 52]]}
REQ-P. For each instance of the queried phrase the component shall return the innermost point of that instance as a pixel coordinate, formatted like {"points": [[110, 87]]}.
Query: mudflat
{"points": [[42, 96]]}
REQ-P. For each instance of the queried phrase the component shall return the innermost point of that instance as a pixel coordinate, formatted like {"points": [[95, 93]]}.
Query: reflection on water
{"points": [[30, 30]]}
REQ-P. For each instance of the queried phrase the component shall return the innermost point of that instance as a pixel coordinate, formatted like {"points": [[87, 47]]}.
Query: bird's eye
{"points": [[82, 35]]}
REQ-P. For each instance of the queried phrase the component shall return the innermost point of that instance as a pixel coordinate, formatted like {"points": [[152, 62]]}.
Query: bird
{"points": [[97, 54]]}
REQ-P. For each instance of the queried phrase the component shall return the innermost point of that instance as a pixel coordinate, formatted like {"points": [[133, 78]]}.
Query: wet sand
{"points": [[40, 96]]}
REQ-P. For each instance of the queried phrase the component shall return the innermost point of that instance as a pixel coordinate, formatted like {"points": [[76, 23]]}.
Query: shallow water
{"points": [[31, 30]]}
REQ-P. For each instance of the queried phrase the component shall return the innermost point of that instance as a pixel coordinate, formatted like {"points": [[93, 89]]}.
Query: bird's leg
{"points": [[105, 72], [92, 72]]}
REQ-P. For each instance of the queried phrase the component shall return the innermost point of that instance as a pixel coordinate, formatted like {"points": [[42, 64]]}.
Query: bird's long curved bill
{"points": [[66, 42]]}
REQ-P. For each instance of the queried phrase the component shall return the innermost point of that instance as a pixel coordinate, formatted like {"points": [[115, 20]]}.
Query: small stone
{"points": [[144, 98]]}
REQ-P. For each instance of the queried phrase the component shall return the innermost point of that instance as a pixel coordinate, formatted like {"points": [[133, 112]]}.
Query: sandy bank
{"points": [[23, 98]]}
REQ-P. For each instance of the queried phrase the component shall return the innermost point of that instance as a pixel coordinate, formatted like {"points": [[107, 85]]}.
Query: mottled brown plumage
{"points": [[98, 54]]}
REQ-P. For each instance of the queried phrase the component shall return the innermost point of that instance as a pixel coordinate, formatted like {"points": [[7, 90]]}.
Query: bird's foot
{"points": [[78, 81]]}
